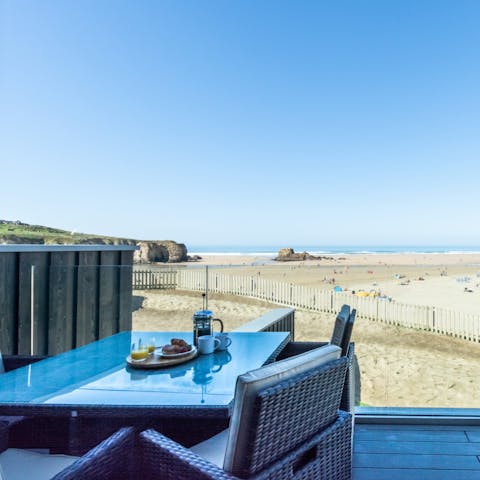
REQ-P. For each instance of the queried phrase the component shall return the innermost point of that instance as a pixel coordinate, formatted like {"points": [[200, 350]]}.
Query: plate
{"points": [[157, 361], [177, 355]]}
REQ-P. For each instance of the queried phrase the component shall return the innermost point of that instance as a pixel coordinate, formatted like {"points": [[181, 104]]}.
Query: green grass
{"points": [[40, 234]]}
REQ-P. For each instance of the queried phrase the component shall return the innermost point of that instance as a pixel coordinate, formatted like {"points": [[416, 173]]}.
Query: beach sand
{"points": [[436, 259], [399, 366], [431, 279]]}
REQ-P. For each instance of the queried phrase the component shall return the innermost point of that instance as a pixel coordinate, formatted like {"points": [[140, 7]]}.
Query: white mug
{"points": [[225, 340], [207, 344]]}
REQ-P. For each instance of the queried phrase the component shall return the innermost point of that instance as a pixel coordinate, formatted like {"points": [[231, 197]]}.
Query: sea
{"points": [[272, 250]]}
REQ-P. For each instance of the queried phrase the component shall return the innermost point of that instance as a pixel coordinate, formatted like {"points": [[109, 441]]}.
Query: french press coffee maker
{"points": [[203, 324]]}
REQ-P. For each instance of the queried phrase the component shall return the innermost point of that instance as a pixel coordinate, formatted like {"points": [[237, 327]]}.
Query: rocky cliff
{"points": [[16, 232], [161, 251]]}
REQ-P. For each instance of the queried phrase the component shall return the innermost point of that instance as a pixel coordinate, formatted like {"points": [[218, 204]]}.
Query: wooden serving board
{"points": [[156, 361]]}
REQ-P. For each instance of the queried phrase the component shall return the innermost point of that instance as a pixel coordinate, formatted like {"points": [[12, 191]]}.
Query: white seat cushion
{"points": [[251, 383], [213, 449], [18, 464]]}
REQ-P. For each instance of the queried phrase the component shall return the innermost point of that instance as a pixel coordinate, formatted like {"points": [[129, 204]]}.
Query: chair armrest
{"points": [[327, 454], [110, 460], [163, 458]]}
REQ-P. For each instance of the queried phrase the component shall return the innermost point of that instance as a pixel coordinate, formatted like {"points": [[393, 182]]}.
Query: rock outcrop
{"points": [[166, 251], [289, 255]]}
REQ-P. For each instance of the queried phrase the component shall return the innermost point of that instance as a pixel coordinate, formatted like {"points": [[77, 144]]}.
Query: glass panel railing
{"points": [[166, 297], [408, 354], [72, 305]]}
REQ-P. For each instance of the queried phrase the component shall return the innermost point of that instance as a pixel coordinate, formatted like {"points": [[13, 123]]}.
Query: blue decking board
{"points": [[412, 435], [413, 460], [428, 448], [473, 435], [416, 452], [413, 474], [414, 427]]}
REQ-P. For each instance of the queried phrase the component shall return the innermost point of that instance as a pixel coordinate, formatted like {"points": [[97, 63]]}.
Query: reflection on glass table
{"points": [[97, 375]]}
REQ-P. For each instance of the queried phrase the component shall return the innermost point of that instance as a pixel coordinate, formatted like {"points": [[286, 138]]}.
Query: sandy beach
{"points": [[437, 259], [449, 281], [399, 366]]}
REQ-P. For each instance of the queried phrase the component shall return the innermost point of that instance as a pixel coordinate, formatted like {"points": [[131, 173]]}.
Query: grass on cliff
{"points": [[13, 233]]}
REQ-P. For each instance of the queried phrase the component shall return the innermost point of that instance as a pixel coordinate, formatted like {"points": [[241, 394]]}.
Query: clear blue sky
{"points": [[247, 122]]}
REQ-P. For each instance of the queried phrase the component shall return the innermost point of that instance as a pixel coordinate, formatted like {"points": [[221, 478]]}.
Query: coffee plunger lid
{"points": [[203, 313]]}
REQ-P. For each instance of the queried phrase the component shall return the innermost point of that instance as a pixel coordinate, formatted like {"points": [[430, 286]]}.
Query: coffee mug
{"points": [[207, 344], [225, 340]]}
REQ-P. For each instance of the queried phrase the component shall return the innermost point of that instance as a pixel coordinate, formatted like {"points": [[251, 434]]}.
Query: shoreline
{"points": [[351, 259]]}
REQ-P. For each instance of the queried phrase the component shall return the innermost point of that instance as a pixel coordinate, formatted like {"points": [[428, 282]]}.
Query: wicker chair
{"points": [[110, 460], [341, 325], [347, 333], [10, 362], [341, 336], [285, 425]]}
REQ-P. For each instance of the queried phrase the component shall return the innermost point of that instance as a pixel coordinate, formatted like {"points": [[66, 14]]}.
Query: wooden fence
{"points": [[57, 297], [158, 279], [434, 319]]}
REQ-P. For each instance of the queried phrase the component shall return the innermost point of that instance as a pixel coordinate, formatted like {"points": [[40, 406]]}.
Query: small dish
{"points": [[140, 360], [193, 349]]}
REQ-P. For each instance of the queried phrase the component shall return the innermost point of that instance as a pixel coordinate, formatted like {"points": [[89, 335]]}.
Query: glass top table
{"points": [[96, 375]]}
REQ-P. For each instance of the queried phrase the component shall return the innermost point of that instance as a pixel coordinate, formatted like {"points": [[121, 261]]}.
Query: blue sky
{"points": [[247, 122]]}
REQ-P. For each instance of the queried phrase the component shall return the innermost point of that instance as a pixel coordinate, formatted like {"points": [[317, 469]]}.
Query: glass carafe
{"points": [[202, 324]]}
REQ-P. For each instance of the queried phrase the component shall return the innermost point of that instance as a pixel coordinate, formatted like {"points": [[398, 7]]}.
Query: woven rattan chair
{"points": [[341, 323], [10, 362], [347, 333], [112, 459], [341, 334], [285, 425]]}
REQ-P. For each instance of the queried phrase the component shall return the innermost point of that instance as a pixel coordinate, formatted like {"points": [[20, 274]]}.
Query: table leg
{"points": [[74, 440]]}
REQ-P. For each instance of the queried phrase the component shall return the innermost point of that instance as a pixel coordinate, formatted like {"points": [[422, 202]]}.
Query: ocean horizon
{"points": [[272, 250]]}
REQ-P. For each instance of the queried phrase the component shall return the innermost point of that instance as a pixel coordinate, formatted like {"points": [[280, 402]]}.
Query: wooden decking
{"points": [[416, 452]]}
